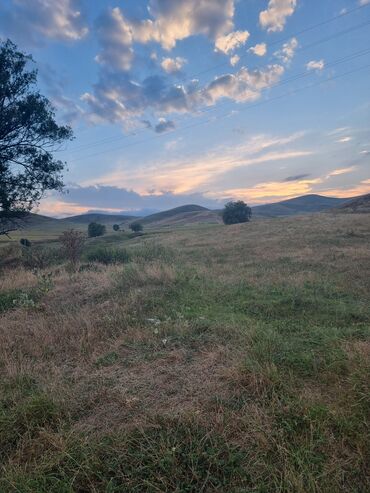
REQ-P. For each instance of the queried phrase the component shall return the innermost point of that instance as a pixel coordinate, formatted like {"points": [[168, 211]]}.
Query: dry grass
{"points": [[254, 338]]}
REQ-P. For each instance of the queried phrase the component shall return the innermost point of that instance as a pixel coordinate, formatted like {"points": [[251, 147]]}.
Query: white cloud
{"points": [[286, 53], [341, 171], [170, 21], [344, 140], [274, 18], [120, 99], [231, 41], [234, 60], [35, 19], [116, 38], [259, 49], [364, 2], [200, 171], [173, 65], [315, 65]]}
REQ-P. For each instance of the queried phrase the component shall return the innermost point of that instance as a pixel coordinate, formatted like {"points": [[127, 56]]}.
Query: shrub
{"points": [[24, 242], [72, 243], [236, 212], [40, 257], [106, 255], [136, 227], [96, 229], [116, 227]]}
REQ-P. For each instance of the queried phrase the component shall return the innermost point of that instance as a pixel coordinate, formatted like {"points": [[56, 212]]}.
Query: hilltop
{"points": [[305, 204], [357, 205]]}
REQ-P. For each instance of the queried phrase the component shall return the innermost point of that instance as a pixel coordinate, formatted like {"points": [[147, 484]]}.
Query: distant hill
{"points": [[357, 205], [107, 219], [306, 204], [174, 215]]}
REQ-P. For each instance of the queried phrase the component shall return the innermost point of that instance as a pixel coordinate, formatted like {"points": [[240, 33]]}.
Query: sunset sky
{"points": [[201, 101]]}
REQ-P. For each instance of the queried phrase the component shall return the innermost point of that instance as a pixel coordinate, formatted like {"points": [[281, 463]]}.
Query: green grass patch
{"points": [[107, 255], [172, 455]]}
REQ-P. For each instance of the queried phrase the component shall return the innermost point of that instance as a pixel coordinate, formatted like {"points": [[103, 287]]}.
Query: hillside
{"points": [[183, 213], [107, 219], [305, 204], [357, 205]]}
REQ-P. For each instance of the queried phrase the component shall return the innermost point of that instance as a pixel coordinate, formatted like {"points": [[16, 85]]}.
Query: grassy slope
{"points": [[232, 359]]}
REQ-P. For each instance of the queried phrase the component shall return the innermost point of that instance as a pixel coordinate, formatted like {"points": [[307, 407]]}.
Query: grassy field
{"points": [[210, 359]]}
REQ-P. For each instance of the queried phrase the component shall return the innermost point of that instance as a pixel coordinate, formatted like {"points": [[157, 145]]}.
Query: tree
{"points": [[115, 227], [236, 212], [136, 227], [96, 229], [24, 242], [29, 135], [72, 242]]}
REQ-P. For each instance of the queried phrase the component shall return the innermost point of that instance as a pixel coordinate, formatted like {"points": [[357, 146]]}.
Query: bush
{"points": [[40, 257], [96, 229], [116, 227], [106, 255], [136, 227], [72, 242], [24, 242], [236, 212]]}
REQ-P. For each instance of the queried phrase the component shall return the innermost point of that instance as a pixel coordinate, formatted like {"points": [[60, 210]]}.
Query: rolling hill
{"points": [[107, 219], [306, 204], [356, 205], [181, 215]]}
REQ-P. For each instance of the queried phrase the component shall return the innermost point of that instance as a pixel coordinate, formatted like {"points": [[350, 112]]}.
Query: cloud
{"points": [[339, 130], [207, 170], [231, 41], [69, 110], [259, 49], [170, 21], [341, 171], [344, 140], [315, 65], [117, 98], [173, 65], [234, 60], [296, 177], [286, 53], [363, 2], [80, 199], [116, 38], [274, 18], [164, 126], [30, 21]]}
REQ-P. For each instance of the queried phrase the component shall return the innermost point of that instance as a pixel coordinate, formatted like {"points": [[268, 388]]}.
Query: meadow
{"points": [[204, 359]]}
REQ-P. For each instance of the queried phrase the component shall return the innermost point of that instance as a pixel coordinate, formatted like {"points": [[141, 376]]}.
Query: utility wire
{"points": [[260, 103], [304, 48]]}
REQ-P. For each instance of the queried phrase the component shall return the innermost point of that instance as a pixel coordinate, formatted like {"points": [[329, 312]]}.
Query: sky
{"points": [[175, 102]]}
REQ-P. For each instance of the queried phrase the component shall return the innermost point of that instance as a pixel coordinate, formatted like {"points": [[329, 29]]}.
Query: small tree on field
{"points": [[116, 227], [72, 242], [96, 229], [236, 212], [136, 227], [29, 135], [24, 242]]}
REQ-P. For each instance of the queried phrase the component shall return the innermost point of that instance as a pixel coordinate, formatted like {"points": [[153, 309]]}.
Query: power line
{"points": [[260, 103], [304, 48]]}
